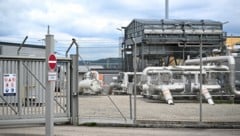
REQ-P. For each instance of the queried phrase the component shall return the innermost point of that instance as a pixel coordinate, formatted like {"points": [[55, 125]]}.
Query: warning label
{"points": [[9, 84]]}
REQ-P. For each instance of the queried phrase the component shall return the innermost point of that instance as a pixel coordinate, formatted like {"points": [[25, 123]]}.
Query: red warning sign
{"points": [[52, 62]]}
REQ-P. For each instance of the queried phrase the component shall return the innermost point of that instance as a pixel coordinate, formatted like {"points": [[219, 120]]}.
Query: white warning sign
{"points": [[9, 84]]}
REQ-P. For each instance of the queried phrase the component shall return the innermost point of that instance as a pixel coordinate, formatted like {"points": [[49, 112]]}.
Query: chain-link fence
{"points": [[120, 108]]}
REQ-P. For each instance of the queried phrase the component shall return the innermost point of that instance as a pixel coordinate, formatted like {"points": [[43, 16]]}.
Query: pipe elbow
{"points": [[236, 92]]}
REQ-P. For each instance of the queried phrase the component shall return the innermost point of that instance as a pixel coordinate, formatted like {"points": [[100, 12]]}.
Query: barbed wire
{"points": [[38, 41]]}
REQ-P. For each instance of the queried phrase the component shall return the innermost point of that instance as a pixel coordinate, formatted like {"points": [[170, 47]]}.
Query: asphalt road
{"points": [[117, 131]]}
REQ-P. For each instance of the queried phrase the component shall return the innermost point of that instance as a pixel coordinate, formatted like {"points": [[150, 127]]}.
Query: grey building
{"points": [[161, 42], [11, 49]]}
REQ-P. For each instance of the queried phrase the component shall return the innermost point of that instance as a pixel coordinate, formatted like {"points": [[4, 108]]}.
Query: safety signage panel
{"points": [[52, 76], [9, 84]]}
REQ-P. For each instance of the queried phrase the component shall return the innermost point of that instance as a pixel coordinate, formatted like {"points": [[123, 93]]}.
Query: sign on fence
{"points": [[9, 84], [52, 63]]}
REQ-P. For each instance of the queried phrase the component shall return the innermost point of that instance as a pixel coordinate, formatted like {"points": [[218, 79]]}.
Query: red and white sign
{"points": [[52, 62]]}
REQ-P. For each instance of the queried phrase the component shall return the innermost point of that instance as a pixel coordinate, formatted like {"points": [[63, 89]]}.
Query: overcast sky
{"points": [[94, 23]]}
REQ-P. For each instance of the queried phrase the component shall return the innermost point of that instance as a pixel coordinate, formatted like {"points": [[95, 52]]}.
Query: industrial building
{"points": [[14, 49], [168, 41], [24, 95], [231, 41]]}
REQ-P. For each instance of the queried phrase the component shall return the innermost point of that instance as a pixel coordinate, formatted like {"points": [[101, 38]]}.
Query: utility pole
{"points": [[166, 9]]}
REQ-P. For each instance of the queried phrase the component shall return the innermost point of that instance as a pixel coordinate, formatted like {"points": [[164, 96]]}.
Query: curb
{"points": [[164, 124]]}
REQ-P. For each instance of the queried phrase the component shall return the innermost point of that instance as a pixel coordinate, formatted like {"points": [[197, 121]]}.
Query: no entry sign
{"points": [[52, 62]]}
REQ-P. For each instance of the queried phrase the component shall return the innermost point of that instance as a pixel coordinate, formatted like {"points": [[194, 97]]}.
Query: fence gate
{"points": [[22, 90]]}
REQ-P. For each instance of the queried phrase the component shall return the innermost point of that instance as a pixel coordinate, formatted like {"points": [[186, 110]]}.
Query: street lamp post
{"points": [[121, 44]]}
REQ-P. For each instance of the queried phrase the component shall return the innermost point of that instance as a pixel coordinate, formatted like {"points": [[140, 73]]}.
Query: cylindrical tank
{"points": [[93, 85]]}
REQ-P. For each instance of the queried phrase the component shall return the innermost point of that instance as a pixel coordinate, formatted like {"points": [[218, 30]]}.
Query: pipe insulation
{"points": [[207, 96], [167, 95], [148, 70], [166, 87], [231, 64], [93, 85]]}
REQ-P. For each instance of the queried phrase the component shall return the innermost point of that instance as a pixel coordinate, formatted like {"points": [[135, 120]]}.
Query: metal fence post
{"points": [[130, 105], [20, 85], [200, 91], [135, 80], [49, 88], [74, 88]]}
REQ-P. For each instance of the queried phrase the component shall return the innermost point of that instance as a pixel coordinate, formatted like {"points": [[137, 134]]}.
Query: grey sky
{"points": [[93, 22]]}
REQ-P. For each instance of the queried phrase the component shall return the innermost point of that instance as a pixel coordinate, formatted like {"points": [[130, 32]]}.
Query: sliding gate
{"points": [[22, 90]]}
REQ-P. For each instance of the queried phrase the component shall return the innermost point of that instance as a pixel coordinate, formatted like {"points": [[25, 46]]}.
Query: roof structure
{"points": [[24, 45], [176, 21]]}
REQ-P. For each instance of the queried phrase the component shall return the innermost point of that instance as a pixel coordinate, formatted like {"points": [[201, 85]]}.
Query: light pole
{"points": [[122, 46], [120, 38], [166, 9]]}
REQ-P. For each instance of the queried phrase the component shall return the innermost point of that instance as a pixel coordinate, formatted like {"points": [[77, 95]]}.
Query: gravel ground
{"points": [[100, 107]]}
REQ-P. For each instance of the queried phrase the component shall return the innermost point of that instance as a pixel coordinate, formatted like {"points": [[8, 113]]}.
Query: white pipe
{"points": [[167, 95], [231, 63], [175, 86], [164, 88], [93, 85], [230, 59], [145, 71], [210, 67], [181, 68], [207, 95], [96, 73], [166, 91], [212, 87], [88, 75], [125, 80]]}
